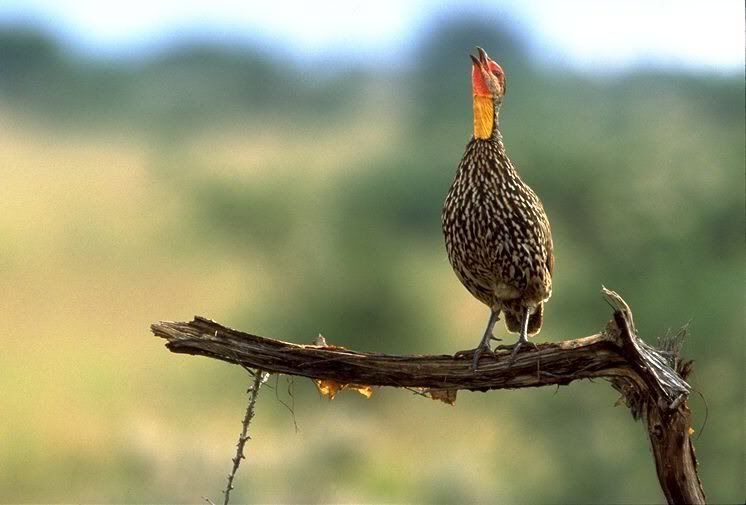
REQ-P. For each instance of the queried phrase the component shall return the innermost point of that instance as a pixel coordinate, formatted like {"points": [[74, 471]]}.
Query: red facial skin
{"points": [[487, 70]]}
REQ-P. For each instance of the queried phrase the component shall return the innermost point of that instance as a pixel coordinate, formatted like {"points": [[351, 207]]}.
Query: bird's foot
{"points": [[514, 348], [484, 344], [480, 349], [461, 354]]}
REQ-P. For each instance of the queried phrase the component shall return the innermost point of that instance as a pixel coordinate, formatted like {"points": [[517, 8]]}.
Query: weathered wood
{"points": [[553, 363], [662, 405], [651, 381], [675, 459]]}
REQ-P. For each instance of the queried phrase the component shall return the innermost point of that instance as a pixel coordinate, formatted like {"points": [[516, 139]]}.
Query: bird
{"points": [[497, 234]]}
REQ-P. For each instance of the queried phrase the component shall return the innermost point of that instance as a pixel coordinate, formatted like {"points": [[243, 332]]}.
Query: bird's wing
{"points": [[550, 252]]}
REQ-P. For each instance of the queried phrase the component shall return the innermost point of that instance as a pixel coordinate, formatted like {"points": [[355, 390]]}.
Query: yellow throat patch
{"points": [[484, 116]]}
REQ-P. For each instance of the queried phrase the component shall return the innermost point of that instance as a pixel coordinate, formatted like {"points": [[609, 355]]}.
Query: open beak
{"points": [[481, 60], [482, 55]]}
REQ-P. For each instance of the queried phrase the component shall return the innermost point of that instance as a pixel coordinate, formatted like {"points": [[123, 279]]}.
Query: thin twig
{"points": [[291, 407], [253, 392], [707, 413]]}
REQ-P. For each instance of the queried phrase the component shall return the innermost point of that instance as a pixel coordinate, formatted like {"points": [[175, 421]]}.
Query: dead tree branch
{"points": [[652, 381]]}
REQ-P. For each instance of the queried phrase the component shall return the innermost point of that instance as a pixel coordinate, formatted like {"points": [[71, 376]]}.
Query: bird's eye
{"points": [[495, 69]]}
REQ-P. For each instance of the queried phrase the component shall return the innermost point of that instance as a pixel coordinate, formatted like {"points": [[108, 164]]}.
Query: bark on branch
{"points": [[652, 381]]}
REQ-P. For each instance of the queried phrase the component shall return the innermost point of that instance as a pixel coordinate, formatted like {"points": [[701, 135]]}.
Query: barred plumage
{"points": [[496, 231]]}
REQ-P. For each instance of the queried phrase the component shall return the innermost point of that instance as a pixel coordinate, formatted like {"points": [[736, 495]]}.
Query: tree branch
{"points": [[651, 381], [551, 363]]}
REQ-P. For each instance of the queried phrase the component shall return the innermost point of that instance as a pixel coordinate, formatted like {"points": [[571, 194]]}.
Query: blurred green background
{"points": [[292, 199]]}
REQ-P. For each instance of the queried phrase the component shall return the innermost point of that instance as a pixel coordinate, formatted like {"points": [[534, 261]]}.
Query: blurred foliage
{"points": [[293, 202]]}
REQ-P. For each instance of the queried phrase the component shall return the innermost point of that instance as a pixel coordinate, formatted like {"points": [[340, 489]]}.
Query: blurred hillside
{"points": [[222, 182]]}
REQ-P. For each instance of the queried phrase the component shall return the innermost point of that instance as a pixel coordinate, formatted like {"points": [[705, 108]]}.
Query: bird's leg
{"points": [[522, 337], [485, 342]]}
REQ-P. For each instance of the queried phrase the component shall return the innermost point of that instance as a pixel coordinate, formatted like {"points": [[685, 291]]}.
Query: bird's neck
{"points": [[492, 150], [485, 117]]}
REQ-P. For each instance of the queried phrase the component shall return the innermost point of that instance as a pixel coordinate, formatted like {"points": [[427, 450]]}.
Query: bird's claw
{"points": [[477, 354], [514, 348], [461, 354], [484, 344]]}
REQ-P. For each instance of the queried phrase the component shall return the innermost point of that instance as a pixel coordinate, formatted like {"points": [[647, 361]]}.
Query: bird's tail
{"points": [[535, 320]]}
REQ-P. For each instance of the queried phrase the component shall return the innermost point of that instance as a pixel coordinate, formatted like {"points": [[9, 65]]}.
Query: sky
{"points": [[589, 34]]}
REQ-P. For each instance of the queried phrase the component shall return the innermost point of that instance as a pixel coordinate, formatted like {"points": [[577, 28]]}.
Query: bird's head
{"points": [[487, 77], [488, 88]]}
